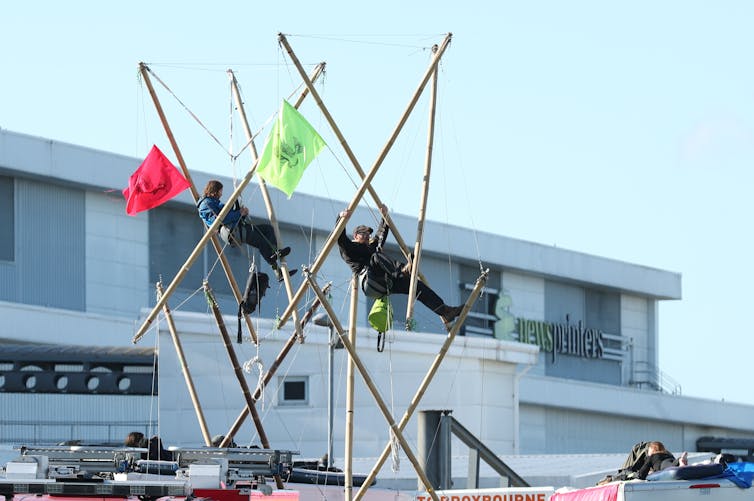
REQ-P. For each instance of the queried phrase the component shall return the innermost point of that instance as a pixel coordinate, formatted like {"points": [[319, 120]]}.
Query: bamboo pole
{"points": [[315, 304], [318, 70], [423, 203], [348, 459], [185, 370], [371, 387], [273, 369], [239, 373], [144, 70], [427, 379], [366, 180]]}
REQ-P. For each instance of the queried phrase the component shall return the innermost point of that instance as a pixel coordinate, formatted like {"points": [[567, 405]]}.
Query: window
{"points": [[7, 218], [173, 234], [293, 390], [481, 318]]}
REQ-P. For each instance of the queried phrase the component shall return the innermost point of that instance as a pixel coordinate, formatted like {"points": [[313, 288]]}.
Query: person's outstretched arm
{"points": [[383, 229]]}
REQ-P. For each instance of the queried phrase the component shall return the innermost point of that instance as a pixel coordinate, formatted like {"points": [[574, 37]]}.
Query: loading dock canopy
{"points": [[50, 368]]}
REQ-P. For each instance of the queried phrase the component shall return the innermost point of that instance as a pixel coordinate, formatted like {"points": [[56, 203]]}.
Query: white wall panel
{"points": [[471, 382], [117, 258], [533, 429], [53, 418], [50, 241], [635, 323], [49, 325], [574, 432]]}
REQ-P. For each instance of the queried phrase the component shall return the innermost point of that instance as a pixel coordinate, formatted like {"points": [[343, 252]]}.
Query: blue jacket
{"points": [[210, 207]]}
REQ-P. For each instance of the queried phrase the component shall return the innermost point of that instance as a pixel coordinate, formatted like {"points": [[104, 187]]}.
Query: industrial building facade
{"points": [[559, 355]]}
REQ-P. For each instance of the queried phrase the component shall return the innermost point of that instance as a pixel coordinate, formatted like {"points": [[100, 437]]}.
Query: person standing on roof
{"points": [[381, 275], [237, 228]]}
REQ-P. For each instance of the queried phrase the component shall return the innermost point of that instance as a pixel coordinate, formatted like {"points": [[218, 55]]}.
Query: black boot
{"points": [[449, 313], [280, 253], [279, 273]]}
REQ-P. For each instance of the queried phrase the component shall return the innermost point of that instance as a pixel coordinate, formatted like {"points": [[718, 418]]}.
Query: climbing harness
{"points": [[377, 278]]}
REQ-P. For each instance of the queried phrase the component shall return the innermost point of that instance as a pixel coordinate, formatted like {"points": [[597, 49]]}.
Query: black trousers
{"points": [[261, 236], [424, 293]]}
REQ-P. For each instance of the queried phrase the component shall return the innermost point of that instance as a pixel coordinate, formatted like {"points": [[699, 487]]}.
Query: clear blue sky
{"points": [[620, 129]]}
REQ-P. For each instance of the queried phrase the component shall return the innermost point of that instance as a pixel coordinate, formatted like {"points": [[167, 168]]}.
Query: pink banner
{"points": [[607, 492]]}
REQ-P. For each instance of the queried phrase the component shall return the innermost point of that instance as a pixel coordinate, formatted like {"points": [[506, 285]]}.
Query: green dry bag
{"points": [[381, 314]]}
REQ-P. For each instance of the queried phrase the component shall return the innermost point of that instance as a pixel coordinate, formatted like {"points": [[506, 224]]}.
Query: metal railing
{"points": [[646, 375], [49, 432]]}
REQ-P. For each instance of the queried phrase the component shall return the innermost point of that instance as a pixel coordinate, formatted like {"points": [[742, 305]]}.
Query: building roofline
{"points": [[39, 158]]}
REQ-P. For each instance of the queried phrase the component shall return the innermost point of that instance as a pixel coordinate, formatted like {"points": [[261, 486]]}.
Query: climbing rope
{"points": [[248, 368]]}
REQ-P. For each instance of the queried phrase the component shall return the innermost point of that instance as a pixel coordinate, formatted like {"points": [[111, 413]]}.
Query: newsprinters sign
{"points": [[566, 339]]}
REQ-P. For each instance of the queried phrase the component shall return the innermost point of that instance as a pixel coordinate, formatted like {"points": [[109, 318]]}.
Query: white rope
{"points": [[187, 110], [394, 444], [452, 133], [233, 157], [272, 408], [248, 367], [256, 361], [395, 450], [201, 124], [155, 369]]}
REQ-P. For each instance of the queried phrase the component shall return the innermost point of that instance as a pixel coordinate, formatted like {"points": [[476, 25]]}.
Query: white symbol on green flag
{"points": [[291, 146]]}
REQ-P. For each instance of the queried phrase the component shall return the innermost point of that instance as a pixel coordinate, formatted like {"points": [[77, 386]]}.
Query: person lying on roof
{"points": [[237, 228], [381, 275], [659, 458], [645, 458]]}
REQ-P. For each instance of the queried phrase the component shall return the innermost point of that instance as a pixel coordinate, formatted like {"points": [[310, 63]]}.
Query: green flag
{"points": [[291, 146]]}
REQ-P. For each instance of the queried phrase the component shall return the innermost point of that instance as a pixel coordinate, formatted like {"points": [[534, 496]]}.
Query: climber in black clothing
{"points": [[363, 255]]}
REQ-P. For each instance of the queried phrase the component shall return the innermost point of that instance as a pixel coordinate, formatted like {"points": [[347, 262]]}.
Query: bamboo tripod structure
{"points": [[365, 185], [354, 361]]}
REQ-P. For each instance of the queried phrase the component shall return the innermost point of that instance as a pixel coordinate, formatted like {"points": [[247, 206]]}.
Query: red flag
{"points": [[155, 182]]}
